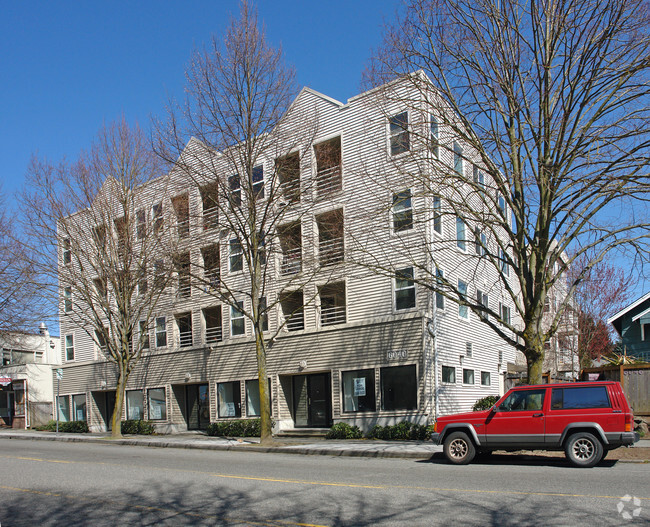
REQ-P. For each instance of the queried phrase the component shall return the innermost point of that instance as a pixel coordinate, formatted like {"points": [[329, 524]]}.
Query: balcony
{"points": [[291, 261], [213, 335], [331, 251], [183, 228], [330, 316], [210, 218], [296, 322], [185, 339], [328, 181]]}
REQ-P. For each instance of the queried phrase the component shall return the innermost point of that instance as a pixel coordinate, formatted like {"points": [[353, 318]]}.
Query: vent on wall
{"points": [[468, 349]]}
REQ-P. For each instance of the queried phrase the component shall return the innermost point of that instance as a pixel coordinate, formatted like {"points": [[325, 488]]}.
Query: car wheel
{"points": [[459, 448], [583, 449]]}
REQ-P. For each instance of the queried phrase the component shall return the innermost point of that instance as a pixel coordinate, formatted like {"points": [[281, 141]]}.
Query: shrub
{"points": [[344, 431], [235, 428], [485, 403], [74, 427], [403, 431], [138, 426]]}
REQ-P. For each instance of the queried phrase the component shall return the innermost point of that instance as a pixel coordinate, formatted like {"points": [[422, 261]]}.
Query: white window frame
{"points": [[473, 377], [503, 311], [257, 185], [461, 234], [67, 251], [458, 160], [401, 274], [463, 311], [234, 255], [69, 347], [489, 378], [402, 206], [397, 132], [436, 207], [439, 298], [434, 128], [158, 331], [233, 318], [442, 377], [67, 300]]}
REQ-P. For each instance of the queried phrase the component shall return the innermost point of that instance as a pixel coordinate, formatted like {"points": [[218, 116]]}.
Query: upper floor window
{"points": [[288, 169], [458, 159], [480, 242], [437, 214], [209, 199], [144, 334], [435, 137], [236, 256], [482, 299], [461, 234], [404, 289], [505, 266], [157, 213], [440, 299], [479, 179], [399, 133], [504, 311], [161, 332], [69, 347], [258, 182], [237, 321], [402, 211], [463, 310], [235, 190], [141, 225], [67, 251]]}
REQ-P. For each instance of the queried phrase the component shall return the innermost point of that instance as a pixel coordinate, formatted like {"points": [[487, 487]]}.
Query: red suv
{"points": [[585, 419]]}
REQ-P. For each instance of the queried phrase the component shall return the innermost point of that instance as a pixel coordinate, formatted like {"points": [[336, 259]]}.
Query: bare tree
{"points": [[530, 121], [89, 223], [245, 155]]}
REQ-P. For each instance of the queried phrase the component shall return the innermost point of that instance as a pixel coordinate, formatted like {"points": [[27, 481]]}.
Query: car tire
{"points": [[583, 449], [459, 448]]}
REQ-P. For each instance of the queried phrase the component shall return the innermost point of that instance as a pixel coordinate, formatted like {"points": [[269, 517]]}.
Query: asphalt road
{"points": [[53, 483]]}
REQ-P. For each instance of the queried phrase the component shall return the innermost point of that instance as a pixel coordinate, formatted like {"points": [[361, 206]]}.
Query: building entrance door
{"points": [[311, 401], [198, 406], [109, 399]]}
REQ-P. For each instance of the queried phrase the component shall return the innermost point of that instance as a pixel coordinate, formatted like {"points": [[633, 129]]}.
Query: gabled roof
{"points": [[629, 308]]}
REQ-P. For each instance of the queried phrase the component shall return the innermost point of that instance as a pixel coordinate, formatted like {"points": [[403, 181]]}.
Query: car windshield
{"points": [[523, 400]]}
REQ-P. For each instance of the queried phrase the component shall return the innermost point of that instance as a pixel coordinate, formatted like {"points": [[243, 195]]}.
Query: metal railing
{"points": [[328, 181], [184, 288], [296, 322], [291, 261], [214, 334], [331, 251], [185, 339], [212, 278], [210, 218], [332, 315], [183, 227]]}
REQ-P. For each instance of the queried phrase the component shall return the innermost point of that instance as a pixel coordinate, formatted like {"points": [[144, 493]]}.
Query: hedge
{"points": [[235, 428], [138, 426]]}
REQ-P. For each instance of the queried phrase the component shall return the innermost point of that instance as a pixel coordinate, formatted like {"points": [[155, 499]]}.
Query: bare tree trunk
{"points": [[120, 390]]}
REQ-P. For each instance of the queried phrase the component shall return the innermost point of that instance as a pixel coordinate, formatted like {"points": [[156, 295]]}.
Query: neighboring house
{"points": [[633, 325], [363, 351], [26, 389]]}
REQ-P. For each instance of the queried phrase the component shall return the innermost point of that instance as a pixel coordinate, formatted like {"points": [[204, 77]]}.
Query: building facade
{"points": [[633, 325], [26, 387], [357, 344]]}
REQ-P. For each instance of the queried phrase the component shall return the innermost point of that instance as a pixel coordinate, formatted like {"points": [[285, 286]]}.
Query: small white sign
{"points": [[59, 373], [359, 386], [156, 413], [230, 409]]}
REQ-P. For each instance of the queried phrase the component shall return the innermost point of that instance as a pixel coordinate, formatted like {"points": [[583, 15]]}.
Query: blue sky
{"points": [[67, 67]]}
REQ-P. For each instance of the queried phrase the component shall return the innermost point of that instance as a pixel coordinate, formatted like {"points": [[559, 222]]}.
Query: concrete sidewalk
{"points": [[304, 446]]}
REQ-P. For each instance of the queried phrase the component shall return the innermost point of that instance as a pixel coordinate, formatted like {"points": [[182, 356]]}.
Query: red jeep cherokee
{"points": [[585, 419]]}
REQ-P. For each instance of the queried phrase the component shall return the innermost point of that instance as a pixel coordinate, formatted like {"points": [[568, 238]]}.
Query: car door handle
{"points": [[538, 415]]}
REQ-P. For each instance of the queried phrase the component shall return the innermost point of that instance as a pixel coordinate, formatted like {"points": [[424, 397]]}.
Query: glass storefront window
{"points": [[359, 391], [19, 397], [399, 388], [253, 398], [64, 408], [229, 399], [135, 404], [79, 407], [157, 404]]}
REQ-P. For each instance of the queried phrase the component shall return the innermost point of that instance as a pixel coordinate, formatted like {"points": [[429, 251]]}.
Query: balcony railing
{"points": [[328, 181], [331, 251], [332, 315], [183, 227], [184, 288], [296, 322], [291, 261], [213, 335], [212, 278], [210, 218], [185, 339]]}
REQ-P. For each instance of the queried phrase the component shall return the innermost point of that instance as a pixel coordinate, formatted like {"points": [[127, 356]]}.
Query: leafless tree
{"points": [[245, 154], [530, 121], [89, 224]]}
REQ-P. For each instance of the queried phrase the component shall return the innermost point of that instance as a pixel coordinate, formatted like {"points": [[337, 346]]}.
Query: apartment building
{"points": [[358, 342]]}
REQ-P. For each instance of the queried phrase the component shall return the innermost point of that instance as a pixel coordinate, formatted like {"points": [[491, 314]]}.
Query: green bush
{"points": [[403, 431], [75, 427], [344, 431], [485, 403], [138, 426], [235, 428]]}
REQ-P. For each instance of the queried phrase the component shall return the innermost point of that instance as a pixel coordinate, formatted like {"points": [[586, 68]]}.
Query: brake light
{"points": [[628, 427]]}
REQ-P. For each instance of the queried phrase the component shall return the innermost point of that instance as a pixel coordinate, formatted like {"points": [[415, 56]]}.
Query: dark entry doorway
{"points": [[311, 401], [198, 406], [110, 408]]}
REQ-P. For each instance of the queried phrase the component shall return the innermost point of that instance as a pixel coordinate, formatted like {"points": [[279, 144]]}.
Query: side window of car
{"points": [[579, 398], [523, 400]]}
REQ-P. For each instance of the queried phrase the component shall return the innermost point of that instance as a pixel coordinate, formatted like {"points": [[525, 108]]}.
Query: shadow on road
{"points": [[515, 460]]}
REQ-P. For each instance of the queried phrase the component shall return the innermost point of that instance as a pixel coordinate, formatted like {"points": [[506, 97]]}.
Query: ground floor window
{"points": [[19, 397], [253, 407], [79, 407], [359, 391], [485, 378], [398, 388], [135, 404], [157, 404], [64, 408], [449, 374], [229, 399], [468, 376]]}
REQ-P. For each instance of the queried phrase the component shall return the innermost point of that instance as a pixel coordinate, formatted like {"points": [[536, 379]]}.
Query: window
{"points": [[161, 332], [236, 256], [181, 206], [404, 289], [449, 374], [398, 388], [141, 225], [99, 236], [237, 321], [144, 334], [645, 332], [332, 303], [358, 391], [253, 406], [157, 213], [235, 190], [502, 205], [100, 339], [435, 137], [577, 398], [143, 284], [463, 311], [69, 347], [399, 133], [184, 326], [440, 299], [482, 299], [229, 399], [293, 310], [64, 408], [67, 299], [135, 404], [79, 407], [479, 179], [264, 314], [480, 242], [485, 378], [258, 182], [505, 267], [19, 397], [504, 312], [437, 214], [290, 237], [183, 273], [402, 211], [523, 400], [329, 176], [210, 202], [213, 328], [211, 266], [67, 251], [157, 404], [461, 240], [288, 170], [458, 159], [468, 376]]}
